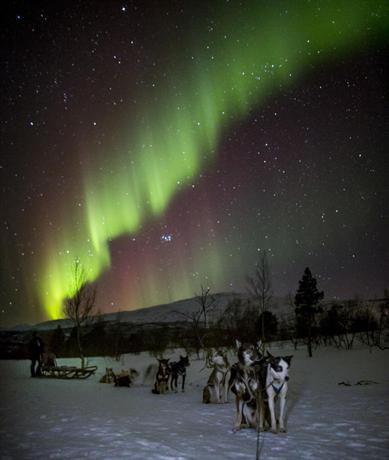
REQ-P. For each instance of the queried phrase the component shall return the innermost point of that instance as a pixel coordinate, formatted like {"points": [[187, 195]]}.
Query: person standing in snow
{"points": [[36, 349]]}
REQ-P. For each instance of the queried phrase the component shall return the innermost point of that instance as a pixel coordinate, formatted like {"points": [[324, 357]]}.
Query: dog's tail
{"points": [[150, 372]]}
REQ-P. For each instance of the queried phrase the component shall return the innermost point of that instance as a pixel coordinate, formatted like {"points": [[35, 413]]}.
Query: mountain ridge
{"points": [[176, 311]]}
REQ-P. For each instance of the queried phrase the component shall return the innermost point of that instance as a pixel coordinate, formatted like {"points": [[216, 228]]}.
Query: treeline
{"points": [[336, 324]]}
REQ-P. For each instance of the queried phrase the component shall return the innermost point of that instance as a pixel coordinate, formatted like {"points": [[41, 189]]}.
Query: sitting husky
{"points": [[162, 377], [216, 389], [247, 383], [178, 368], [109, 376], [277, 377]]}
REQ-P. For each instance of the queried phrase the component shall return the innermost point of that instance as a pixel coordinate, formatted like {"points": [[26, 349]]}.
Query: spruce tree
{"points": [[306, 300]]}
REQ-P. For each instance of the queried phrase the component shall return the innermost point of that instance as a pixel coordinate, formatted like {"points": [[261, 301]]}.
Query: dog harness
{"points": [[277, 390], [223, 370], [245, 376]]}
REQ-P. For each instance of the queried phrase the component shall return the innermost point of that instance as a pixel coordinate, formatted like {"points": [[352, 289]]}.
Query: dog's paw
{"points": [[282, 430]]}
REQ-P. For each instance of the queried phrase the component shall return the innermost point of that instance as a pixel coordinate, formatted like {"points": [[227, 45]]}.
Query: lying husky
{"points": [[109, 376], [178, 368], [216, 389], [125, 378], [277, 377], [247, 383], [162, 377]]}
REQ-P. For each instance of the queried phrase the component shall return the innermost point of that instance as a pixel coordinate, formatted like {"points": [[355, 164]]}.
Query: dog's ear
{"points": [[288, 359], [238, 344]]}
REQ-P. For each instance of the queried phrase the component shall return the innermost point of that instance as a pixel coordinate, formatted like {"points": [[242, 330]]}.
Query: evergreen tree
{"points": [[306, 300]]}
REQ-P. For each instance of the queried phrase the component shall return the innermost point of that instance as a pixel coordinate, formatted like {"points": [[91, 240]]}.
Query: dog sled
{"points": [[68, 372]]}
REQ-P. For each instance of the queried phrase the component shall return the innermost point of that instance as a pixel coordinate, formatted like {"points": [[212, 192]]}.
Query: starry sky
{"points": [[164, 145]]}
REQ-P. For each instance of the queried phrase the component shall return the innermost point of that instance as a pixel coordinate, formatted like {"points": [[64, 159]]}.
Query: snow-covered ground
{"points": [[60, 419]]}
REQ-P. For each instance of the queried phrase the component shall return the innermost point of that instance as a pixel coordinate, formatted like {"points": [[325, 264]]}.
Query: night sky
{"points": [[164, 145]]}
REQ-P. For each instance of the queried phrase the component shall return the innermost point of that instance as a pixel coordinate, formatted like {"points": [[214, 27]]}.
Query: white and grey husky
{"points": [[277, 377], [216, 389]]}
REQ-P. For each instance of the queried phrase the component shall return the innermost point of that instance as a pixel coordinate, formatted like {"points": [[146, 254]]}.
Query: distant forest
{"points": [[337, 324]]}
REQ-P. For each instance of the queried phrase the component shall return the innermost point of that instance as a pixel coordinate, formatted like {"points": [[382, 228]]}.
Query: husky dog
{"points": [[178, 368], [162, 377], [125, 378], [277, 377], [216, 389], [246, 382], [49, 360], [109, 376]]}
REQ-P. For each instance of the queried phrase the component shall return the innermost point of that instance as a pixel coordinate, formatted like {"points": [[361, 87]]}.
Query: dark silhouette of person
{"points": [[36, 349]]}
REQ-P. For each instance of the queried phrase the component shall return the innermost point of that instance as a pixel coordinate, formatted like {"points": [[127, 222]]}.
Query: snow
{"points": [[60, 419]]}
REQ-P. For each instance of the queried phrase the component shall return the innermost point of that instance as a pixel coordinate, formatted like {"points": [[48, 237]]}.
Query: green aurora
{"points": [[218, 78]]}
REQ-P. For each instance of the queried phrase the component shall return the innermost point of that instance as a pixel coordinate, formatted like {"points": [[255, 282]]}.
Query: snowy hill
{"points": [[166, 313]]}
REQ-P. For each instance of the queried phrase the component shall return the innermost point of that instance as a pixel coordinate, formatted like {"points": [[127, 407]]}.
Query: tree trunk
{"points": [[81, 353], [310, 335]]}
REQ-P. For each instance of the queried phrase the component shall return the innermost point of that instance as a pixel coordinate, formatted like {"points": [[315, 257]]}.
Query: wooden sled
{"points": [[68, 372]]}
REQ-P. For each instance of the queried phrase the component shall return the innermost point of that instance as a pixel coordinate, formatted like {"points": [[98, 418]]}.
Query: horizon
{"points": [[236, 295]]}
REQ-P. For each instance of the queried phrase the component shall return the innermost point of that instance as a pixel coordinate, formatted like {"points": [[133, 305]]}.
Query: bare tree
{"points": [[259, 287], [198, 318], [79, 307], [194, 319], [207, 302]]}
